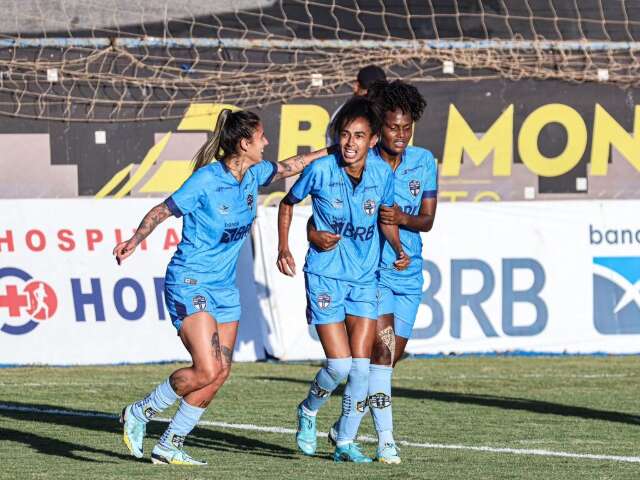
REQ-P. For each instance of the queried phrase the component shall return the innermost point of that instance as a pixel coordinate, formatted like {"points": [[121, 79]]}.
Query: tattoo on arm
{"points": [[227, 353], [215, 343], [151, 220], [295, 165]]}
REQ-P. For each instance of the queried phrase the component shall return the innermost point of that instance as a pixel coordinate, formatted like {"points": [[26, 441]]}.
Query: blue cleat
{"points": [[133, 432], [306, 434], [171, 455], [350, 453], [389, 454]]}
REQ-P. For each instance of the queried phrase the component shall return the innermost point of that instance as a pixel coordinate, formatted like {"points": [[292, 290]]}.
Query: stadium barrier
{"points": [[550, 277], [540, 277], [64, 300]]}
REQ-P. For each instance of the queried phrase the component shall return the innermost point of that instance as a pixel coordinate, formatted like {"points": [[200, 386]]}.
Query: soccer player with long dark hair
{"points": [[414, 210], [347, 190], [218, 203]]}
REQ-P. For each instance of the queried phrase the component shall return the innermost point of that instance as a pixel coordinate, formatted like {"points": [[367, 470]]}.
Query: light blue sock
{"points": [[159, 399], [326, 381], [354, 402], [185, 419], [380, 402]]}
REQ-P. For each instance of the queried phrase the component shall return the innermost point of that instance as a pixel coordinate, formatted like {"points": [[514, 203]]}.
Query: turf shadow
{"points": [[506, 403], [107, 422], [228, 442], [56, 447]]}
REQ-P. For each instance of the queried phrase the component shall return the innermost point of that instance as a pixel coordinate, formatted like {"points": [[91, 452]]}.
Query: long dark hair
{"points": [[231, 127], [357, 107]]}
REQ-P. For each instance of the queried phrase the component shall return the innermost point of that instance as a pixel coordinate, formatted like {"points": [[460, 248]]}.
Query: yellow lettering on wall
{"points": [[203, 116], [461, 138], [170, 176], [453, 195], [573, 151], [607, 133], [486, 195], [292, 137]]}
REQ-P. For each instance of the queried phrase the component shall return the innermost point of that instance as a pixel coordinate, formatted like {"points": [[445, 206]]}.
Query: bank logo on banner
{"points": [[24, 301], [616, 295]]}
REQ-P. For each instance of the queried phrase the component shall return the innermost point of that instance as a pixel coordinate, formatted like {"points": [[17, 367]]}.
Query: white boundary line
{"points": [[367, 439]]}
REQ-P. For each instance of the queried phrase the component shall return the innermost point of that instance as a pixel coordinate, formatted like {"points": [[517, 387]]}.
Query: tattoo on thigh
{"points": [[227, 353], [389, 339], [215, 343]]}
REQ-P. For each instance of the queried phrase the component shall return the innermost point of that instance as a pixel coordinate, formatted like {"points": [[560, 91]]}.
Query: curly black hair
{"points": [[397, 94]]}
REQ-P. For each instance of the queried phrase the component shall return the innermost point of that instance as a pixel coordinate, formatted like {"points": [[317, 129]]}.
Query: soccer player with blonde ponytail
{"points": [[218, 203]]}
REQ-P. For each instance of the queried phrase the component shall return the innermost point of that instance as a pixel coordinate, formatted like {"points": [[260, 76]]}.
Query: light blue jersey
{"points": [[415, 178], [218, 212], [351, 212]]}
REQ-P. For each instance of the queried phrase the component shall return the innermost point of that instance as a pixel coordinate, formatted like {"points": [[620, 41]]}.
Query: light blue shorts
{"points": [[404, 308], [182, 300], [329, 300]]}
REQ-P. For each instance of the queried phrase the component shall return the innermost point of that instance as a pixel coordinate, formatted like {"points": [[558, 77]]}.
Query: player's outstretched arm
{"points": [[286, 263], [151, 220], [422, 222], [294, 165], [392, 234]]}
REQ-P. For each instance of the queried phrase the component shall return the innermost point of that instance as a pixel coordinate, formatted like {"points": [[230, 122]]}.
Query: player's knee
{"points": [[207, 375], [338, 368]]}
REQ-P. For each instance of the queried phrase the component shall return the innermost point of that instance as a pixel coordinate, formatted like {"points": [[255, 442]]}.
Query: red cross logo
{"points": [[13, 300], [26, 301]]}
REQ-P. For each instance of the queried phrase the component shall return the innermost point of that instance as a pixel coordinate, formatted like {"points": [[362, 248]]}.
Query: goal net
{"points": [[131, 60]]}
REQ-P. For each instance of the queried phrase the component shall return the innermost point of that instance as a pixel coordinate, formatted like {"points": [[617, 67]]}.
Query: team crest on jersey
{"points": [[223, 209], [250, 201], [414, 187], [324, 300], [337, 203], [369, 207], [199, 302]]}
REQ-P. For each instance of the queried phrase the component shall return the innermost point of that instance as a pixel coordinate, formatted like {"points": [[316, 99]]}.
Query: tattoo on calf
{"points": [[227, 353], [215, 343], [389, 339]]}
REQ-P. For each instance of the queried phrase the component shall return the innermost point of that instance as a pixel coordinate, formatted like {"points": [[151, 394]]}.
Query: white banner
{"points": [[64, 300], [537, 277]]}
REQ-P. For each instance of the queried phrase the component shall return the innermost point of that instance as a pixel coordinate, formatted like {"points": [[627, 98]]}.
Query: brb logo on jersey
{"points": [[250, 201], [24, 302], [414, 187], [369, 207], [616, 295], [233, 234]]}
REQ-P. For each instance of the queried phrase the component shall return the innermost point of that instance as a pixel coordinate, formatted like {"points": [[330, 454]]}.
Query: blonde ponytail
{"points": [[211, 149]]}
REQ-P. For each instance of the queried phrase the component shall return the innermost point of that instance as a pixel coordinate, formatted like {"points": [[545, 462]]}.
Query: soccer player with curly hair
{"points": [[414, 209]]}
